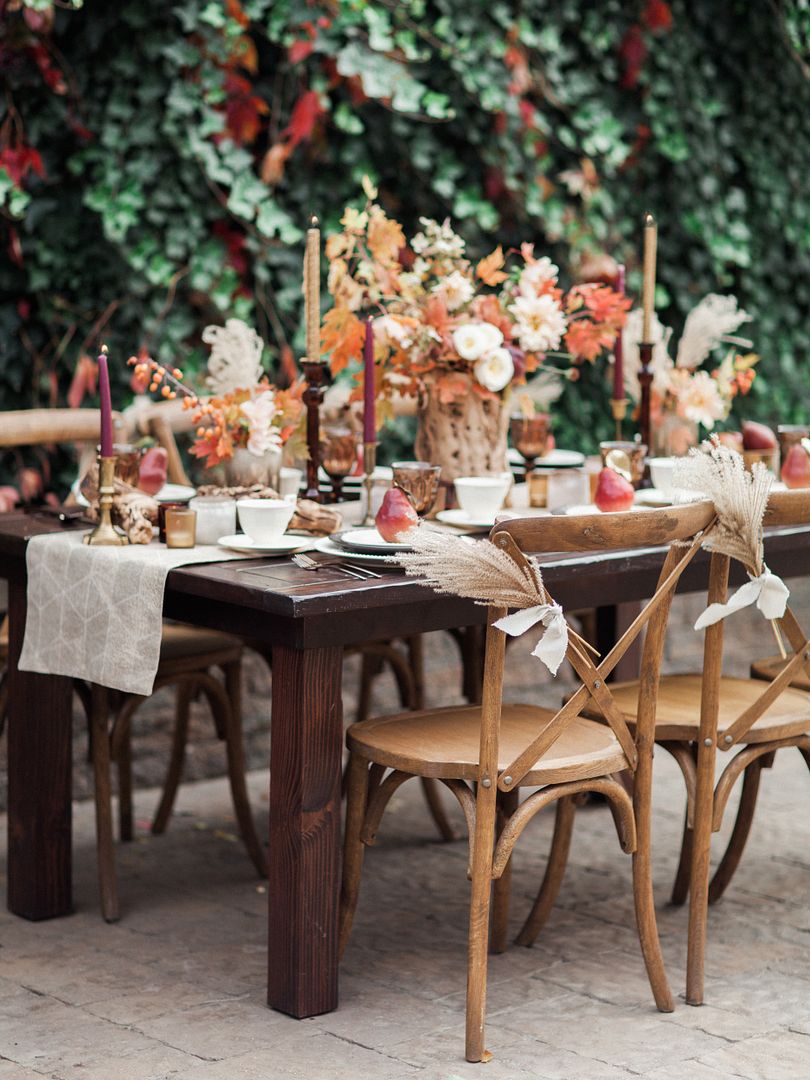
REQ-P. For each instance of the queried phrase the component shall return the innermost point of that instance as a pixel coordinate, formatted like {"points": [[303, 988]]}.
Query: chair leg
{"points": [[357, 776], [235, 750], [107, 876], [699, 876], [502, 887], [555, 871], [416, 659], [739, 835], [480, 895], [680, 887], [185, 692]]}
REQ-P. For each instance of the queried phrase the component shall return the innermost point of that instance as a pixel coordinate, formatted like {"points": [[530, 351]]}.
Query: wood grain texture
{"points": [[39, 782], [307, 729]]}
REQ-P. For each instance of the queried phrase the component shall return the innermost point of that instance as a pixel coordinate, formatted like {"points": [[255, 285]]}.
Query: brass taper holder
{"points": [[105, 533], [369, 465], [619, 409]]}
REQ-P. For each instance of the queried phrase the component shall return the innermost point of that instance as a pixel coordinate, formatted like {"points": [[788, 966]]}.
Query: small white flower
{"points": [[536, 275], [261, 411], [700, 400], [388, 330], [456, 290], [495, 370], [540, 322], [474, 339]]}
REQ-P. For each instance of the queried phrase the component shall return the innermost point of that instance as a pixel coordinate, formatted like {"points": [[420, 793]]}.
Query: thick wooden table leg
{"points": [[304, 855], [611, 623], [39, 782]]}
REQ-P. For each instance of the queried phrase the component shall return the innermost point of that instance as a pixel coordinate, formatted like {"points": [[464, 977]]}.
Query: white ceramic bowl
{"points": [[264, 520], [661, 473], [289, 481], [482, 496]]}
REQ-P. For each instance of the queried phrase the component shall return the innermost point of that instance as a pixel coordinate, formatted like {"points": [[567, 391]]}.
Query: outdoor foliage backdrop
{"points": [[159, 160]]}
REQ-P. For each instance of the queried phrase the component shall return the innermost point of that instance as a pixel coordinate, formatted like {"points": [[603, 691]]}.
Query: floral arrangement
{"points": [[440, 318], [683, 386], [245, 410]]}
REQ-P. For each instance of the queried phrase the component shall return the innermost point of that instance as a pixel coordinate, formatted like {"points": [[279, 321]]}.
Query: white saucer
{"points": [[329, 547], [367, 541], [554, 459], [460, 519], [284, 545]]}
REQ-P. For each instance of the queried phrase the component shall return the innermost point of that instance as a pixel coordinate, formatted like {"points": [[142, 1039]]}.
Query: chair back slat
{"points": [[508, 537]]}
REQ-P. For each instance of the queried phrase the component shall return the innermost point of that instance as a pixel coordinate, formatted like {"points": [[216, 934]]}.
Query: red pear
{"points": [[152, 471], [757, 436], [732, 439], [395, 516], [796, 467], [613, 492]]}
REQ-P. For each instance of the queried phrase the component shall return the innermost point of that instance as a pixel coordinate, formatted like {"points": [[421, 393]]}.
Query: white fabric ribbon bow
{"points": [[552, 645], [768, 591]]}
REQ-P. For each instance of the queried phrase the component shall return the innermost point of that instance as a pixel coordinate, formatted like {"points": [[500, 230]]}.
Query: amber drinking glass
{"points": [[419, 481], [338, 456], [529, 436]]}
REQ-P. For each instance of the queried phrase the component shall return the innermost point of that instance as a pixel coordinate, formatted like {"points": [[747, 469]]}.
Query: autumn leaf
{"points": [[83, 381], [273, 162], [385, 237], [342, 335], [303, 118], [299, 50], [489, 269], [243, 110], [452, 386]]}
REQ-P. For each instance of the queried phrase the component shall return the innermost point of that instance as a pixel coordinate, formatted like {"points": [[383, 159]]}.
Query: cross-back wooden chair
{"points": [[188, 658], [499, 748], [699, 714]]}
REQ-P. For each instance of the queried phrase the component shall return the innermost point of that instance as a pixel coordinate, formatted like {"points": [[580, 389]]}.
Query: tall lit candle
{"points": [[106, 404], [618, 350], [369, 389], [648, 292], [312, 290]]}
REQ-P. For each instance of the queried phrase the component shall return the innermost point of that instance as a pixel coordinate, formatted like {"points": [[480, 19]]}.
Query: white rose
{"points": [[456, 290], [474, 339], [540, 322], [495, 370], [536, 275]]}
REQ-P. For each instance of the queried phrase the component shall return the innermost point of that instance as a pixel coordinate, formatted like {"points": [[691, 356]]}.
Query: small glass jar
{"points": [[162, 508], [181, 527], [216, 517]]}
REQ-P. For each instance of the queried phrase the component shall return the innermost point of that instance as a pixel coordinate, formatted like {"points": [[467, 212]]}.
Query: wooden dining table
{"points": [[307, 619]]}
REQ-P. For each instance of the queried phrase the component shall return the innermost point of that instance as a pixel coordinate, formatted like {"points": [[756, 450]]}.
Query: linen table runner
{"points": [[95, 613]]}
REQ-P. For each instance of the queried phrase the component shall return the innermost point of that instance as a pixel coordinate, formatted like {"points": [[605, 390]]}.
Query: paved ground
{"points": [[176, 988]]}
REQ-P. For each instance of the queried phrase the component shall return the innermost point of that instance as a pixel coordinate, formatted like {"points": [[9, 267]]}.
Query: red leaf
{"points": [[299, 50], [657, 15], [243, 109], [83, 381], [632, 53], [305, 113]]}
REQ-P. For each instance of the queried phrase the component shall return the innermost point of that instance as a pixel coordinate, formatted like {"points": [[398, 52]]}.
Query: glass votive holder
{"points": [[627, 457], [162, 508], [181, 527], [216, 517]]}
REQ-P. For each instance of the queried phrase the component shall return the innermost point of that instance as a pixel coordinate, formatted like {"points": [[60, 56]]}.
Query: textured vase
{"points": [[467, 436], [245, 469]]}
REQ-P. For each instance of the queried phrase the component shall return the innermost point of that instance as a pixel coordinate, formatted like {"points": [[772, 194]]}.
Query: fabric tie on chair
{"points": [[552, 646], [768, 592]]}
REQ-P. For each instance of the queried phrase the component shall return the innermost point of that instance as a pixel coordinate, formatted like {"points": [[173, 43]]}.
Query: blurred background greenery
{"points": [[159, 161]]}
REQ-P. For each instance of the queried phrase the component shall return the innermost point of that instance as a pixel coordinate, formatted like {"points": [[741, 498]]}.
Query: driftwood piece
{"points": [[133, 510]]}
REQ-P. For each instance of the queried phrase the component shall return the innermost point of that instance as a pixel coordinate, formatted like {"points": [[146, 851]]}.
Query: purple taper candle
{"points": [[106, 404], [618, 350], [369, 420]]}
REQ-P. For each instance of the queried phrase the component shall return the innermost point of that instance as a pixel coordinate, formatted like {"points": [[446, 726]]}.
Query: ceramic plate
{"points": [[367, 541], [460, 519], [554, 459], [328, 547], [284, 545]]}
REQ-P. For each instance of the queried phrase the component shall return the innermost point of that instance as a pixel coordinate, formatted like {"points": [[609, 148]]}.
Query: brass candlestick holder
{"points": [[619, 408], [369, 465], [315, 374], [105, 533]]}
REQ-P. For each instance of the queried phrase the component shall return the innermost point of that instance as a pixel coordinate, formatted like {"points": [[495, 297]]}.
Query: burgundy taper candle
{"points": [[106, 404], [369, 390], [618, 349]]}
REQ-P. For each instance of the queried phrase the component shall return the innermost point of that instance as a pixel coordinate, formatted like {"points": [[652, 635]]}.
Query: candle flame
{"points": [[104, 349], [313, 221], [649, 220]]}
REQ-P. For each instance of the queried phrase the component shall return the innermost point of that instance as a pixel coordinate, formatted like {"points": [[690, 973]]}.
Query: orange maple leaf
{"points": [[385, 237], [342, 335], [452, 386], [489, 268]]}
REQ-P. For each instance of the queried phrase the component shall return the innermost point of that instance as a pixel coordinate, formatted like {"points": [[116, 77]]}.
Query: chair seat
{"points": [[180, 641], [678, 709], [444, 743], [771, 666]]}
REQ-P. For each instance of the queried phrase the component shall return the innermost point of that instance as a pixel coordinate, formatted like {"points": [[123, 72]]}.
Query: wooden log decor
{"points": [[467, 436]]}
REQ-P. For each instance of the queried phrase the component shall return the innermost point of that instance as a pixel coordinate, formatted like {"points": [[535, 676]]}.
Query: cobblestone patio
{"points": [[176, 989]]}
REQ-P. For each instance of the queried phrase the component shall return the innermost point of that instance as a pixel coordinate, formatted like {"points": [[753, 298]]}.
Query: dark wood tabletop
{"points": [[307, 618]]}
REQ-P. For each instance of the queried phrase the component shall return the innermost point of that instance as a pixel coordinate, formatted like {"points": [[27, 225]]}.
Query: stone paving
{"points": [[176, 989]]}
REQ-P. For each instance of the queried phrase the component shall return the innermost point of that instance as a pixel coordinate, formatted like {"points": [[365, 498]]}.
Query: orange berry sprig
{"points": [[168, 381]]}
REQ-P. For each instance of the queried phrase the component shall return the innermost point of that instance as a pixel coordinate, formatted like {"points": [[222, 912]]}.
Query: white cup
{"points": [[289, 481], [216, 517], [481, 497], [661, 472], [264, 520]]}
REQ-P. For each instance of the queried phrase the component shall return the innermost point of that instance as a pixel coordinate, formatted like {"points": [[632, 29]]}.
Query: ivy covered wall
{"points": [[159, 160]]}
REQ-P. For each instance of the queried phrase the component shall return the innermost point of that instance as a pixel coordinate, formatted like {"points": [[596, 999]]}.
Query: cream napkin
{"points": [[95, 613], [552, 646]]}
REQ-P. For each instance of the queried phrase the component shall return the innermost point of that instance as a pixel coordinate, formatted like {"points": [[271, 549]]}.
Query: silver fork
{"points": [[362, 573]]}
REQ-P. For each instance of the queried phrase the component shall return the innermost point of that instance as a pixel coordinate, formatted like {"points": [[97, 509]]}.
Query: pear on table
{"points": [[613, 492], [395, 516], [796, 466]]}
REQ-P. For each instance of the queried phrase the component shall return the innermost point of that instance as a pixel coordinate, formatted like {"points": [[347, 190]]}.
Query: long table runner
{"points": [[95, 613]]}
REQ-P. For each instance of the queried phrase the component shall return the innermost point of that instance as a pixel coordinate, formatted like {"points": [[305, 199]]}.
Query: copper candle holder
{"points": [[369, 465], [105, 533], [619, 410]]}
